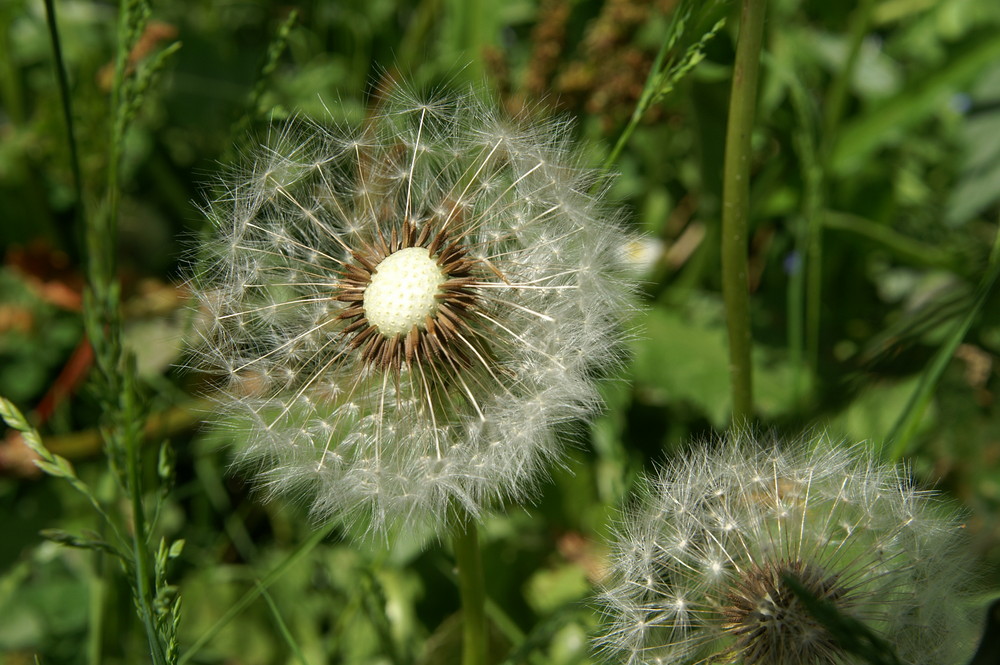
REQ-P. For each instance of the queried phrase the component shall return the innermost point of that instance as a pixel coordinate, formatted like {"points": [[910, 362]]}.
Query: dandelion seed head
{"points": [[723, 529], [401, 314]]}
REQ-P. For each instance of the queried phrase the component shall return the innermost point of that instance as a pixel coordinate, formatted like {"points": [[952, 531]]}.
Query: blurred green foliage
{"points": [[873, 217]]}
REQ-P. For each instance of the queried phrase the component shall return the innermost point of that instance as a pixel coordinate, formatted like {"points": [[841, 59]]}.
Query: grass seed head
{"points": [[400, 315]]}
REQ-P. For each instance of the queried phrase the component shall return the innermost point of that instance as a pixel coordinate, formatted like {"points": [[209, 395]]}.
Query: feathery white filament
{"points": [[401, 315], [723, 527], [402, 291]]}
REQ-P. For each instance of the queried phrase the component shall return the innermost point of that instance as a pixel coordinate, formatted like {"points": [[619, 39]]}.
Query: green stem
{"points": [[293, 558], [101, 285], [140, 535], [736, 205], [802, 353], [473, 592], [645, 101], [106, 269], [906, 425], [837, 95], [913, 252], [95, 610], [74, 159], [123, 412]]}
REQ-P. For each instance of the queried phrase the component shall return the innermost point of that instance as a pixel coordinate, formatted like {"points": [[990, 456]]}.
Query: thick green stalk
{"points": [[473, 592], [736, 206]]}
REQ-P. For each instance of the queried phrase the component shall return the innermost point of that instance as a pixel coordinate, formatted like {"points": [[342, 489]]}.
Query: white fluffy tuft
{"points": [[719, 524], [379, 448]]}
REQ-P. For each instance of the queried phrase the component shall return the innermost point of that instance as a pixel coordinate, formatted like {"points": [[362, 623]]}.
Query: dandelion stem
{"points": [[472, 590], [736, 205]]}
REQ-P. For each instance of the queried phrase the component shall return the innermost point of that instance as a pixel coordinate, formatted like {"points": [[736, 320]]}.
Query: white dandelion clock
{"points": [[401, 316], [700, 566]]}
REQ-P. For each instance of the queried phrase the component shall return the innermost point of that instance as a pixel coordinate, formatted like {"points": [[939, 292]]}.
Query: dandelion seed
{"points": [[728, 526], [400, 316]]}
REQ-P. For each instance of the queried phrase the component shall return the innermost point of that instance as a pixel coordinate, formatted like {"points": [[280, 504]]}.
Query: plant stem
{"points": [[837, 94], [123, 413], [906, 425], [645, 100], [70, 240], [736, 206], [104, 328], [144, 580], [293, 558], [472, 590]]}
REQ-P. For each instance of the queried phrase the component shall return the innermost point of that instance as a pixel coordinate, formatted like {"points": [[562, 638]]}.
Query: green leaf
{"points": [[683, 358], [888, 122], [73, 540], [176, 548], [550, 588]]}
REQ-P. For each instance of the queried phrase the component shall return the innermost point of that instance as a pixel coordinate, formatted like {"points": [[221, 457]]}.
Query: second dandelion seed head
{"points": [[768, 621], [718, 558]]}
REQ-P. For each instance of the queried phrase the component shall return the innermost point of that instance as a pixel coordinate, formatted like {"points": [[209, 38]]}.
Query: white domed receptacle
{"points": [[402, 291]]}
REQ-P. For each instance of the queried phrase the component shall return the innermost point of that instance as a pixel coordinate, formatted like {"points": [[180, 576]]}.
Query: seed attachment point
{"points": [[402, 291]]}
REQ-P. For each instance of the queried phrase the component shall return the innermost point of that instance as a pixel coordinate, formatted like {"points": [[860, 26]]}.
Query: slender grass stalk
{"points": [[70, 240], [736, 205], [103, 319], [912, 251], [836, 97], [105, 331], [117, 385], [282, 626], [96, 605], [277, 47], [473, 592], [144, 580], [803, 337], [236, 608], [95, 610], [665, 73], [805, 283], [816, 163], [905, 427], [645, 99]]}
